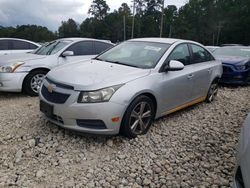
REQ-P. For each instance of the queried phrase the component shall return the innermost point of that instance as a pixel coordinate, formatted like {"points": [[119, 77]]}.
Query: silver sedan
{"points": [[124, 89]]}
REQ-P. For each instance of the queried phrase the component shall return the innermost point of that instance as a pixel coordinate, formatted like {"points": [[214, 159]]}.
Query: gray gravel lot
{"points": [[195, 147]]}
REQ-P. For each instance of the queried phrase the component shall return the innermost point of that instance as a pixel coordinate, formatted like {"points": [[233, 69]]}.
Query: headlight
{"points": [[11, 68], [241, 67], [102, 95]]}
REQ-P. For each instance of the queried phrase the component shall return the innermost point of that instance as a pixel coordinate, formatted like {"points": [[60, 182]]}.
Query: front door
{"points": [[176, 86]]}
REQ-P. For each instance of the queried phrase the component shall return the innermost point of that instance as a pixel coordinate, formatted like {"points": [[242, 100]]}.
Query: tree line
{"points": [[211, 22]]}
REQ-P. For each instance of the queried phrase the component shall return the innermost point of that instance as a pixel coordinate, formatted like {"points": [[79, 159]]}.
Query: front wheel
{"points": [[33, 81], [138, 117], [212, 92]]}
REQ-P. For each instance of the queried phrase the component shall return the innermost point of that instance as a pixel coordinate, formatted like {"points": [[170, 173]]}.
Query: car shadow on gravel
{"points": [[117, 140], [12, 95]]}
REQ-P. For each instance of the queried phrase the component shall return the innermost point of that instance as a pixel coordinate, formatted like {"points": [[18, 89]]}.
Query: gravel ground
{"points": [[195, 147]]}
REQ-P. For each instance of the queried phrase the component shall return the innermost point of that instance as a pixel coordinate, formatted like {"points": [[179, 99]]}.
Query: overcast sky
{"points": [[50, 13]]}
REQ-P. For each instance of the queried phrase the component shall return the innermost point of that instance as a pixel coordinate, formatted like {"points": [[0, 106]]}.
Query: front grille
{"points": [[226, 69], [54, 97], [91, 124], [60, 85]]}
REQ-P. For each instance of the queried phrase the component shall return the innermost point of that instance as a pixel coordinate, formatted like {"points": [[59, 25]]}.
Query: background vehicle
{"points": [[212, 48], [223, 45], [127, 87], [241, 178], [14, 45], [26, 71], [236, 64]]}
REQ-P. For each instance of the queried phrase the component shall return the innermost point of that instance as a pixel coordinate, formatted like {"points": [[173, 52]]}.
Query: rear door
{"points": [[83, 50], [201, 62]]}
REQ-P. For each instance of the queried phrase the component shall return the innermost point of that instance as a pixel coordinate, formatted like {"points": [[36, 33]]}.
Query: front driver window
{"points": [[180, 53], [82, 48]]}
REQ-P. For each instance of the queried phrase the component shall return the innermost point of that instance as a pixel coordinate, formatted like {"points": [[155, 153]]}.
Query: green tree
{"points": [[99, 9], [68, 29]]}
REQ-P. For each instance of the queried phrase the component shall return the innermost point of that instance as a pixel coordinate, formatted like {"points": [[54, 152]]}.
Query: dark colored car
{"points": [[236, 64]]}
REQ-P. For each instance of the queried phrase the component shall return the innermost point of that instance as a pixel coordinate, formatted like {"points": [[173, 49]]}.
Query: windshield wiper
{"points": [[96, 58], [120, 63]]}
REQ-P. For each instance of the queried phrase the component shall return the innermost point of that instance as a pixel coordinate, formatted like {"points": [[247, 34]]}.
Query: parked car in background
{"points": [[127, 87], [241, 178], [236, 64], [223, 45], [212, 48], [26, 71], [14, 45]]}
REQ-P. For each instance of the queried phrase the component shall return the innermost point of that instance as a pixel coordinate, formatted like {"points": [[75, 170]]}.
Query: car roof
{"points": [[77, 39], [159, 40], [21, 40]]}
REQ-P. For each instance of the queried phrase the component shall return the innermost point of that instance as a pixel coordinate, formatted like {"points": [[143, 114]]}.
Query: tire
{"points": [[212, 92], [33, 81], [133, 123]]}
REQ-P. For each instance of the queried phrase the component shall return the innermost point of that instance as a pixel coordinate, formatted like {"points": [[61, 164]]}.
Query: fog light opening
{"points": [[115, 119]]}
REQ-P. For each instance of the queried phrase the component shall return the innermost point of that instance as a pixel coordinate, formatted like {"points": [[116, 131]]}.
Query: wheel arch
{"points": [[35, 69], [142, 93]]}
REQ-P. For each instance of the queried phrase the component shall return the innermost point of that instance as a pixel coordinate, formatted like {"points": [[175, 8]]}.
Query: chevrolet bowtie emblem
{"points": [[51, 88]]}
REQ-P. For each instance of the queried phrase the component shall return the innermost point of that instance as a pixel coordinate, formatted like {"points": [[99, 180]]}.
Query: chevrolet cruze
{"points": [[125, 88]]}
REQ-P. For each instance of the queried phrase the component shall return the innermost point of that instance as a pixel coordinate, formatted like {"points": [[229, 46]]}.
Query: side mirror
{"points": [[67, 53], [174, 66]]}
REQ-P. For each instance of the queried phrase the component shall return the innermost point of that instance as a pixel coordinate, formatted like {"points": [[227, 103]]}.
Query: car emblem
{"points": [[51, 88]]}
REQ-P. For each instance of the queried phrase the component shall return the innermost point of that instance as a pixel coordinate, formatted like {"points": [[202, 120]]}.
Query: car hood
{"points": [[235, 60], [92, 75], [19, 57]]}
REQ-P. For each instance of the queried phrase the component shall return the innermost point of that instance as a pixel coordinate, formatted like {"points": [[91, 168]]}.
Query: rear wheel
{"points": [[33, 81], [138, 117], [212, 92]]}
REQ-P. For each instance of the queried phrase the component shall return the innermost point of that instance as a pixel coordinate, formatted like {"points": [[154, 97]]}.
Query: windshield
{"points": [[52, 47], [135, 54], [241, 52]]}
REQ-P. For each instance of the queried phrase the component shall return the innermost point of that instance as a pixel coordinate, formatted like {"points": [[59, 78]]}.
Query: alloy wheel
{"points": [[140, 118], [36, 82], [212, 92]]}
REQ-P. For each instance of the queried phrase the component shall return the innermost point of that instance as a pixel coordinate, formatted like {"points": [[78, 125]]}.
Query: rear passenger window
{"points": [[180, 53], [101, 46], [32, 46], [19, 45], [4, 45], [82, 48], [200, 54]]}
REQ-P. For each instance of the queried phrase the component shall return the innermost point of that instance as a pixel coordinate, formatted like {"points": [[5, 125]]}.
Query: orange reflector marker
{"points": [[115, 119]]}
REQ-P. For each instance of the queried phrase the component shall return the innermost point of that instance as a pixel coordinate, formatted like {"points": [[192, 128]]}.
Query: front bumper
{"points": [[12, 82], [232, 76], [69, 114]]}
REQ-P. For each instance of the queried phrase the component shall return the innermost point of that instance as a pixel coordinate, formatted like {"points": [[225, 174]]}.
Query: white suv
{"points": [[14, 45]]}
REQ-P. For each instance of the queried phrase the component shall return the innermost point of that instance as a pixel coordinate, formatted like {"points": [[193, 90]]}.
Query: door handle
{"points": [[190, 76]]}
